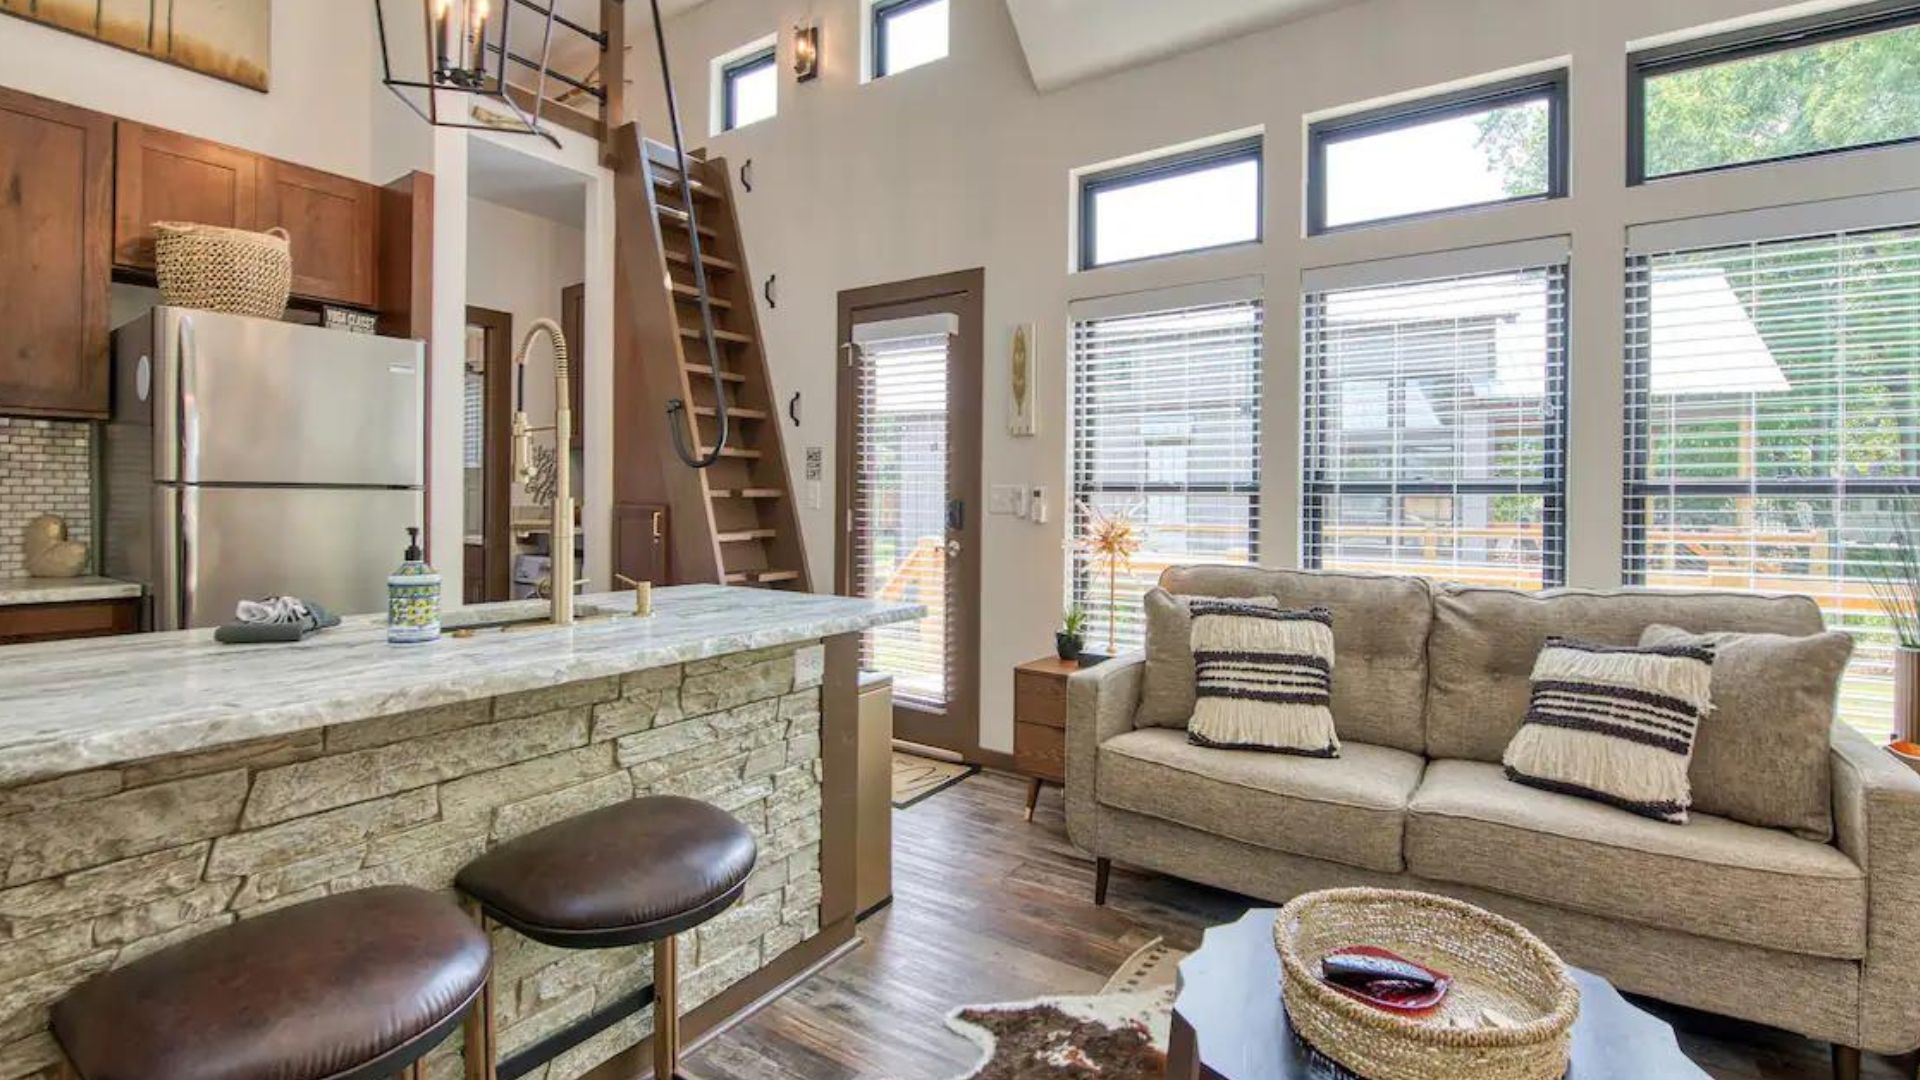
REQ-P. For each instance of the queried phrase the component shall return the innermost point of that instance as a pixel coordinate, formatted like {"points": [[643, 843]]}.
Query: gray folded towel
{"points": [[277, 618]]}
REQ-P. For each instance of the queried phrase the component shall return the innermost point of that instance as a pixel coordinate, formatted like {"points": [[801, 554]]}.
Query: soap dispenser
{"points": [[413, 597]]}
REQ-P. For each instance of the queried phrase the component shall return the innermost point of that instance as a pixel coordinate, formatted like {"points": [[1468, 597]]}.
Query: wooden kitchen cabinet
{"points": [[161, 175], [60, 622], [330, 222], [640, 542], [56, 228]]}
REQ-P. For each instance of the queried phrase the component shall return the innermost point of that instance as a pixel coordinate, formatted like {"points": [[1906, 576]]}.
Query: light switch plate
{"points": [[1003, 498]]}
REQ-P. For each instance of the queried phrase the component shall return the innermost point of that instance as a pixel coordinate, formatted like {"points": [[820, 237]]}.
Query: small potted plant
{"points": [[1072, 635], [1896, 587]]}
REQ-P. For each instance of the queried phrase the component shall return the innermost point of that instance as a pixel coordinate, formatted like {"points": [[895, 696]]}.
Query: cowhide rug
{"points": [[1118, 1034]]}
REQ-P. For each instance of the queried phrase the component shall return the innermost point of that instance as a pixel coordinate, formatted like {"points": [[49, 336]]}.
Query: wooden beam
{"points": [[613, 74]]}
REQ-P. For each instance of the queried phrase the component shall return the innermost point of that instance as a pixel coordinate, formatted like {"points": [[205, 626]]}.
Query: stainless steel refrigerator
{"points": [[249, 457]]}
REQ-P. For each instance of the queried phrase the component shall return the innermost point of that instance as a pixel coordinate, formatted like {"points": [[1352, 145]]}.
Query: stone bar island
{"points": [[154, 787]]}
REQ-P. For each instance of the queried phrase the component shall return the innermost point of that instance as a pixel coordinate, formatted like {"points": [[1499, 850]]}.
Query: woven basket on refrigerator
{"points": [[219, 269], [1509, 1015]]}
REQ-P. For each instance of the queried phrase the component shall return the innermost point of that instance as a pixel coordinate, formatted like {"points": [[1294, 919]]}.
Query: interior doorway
{"points": [[486, 455], [908, 493]]}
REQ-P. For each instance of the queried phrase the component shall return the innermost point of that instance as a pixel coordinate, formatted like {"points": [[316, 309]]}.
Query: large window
{"points": [[1435, 438], [1166, 429], [1773, 416], [749, 89], [1786, 91], [907, 34], [1191, 201], [1488, 145]]}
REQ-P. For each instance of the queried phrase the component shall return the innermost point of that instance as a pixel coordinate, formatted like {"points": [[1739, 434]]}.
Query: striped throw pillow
{"points": [[1263, 678], [1615, 724]]}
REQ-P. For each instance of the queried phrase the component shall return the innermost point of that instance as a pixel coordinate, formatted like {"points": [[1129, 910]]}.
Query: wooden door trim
{"points": [[961, 293], [497, 447]]}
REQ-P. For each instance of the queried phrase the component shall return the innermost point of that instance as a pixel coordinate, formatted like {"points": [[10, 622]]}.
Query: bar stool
{"points": [[350, 987], [633, 873]]}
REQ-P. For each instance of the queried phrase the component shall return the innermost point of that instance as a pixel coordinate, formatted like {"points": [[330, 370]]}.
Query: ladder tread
{"points": [[738, 412], [731, 337], [733, 452], [761, 577], [678, 219], [713, 261], [670, 180], [706, 371], [691, 295], [747, 493], [741, 536]]}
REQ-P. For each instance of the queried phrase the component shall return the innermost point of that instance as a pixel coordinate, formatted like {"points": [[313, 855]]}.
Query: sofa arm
{"points": [[1876, 805], [1101, 702]]}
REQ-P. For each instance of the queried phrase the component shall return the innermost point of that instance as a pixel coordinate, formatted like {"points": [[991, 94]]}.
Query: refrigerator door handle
{"points": [[186, 359], [188, 574]]}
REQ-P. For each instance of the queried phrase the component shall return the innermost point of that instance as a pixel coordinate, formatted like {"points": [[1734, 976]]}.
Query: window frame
{"points": [[1316, 490], [880, 12], [1552, 85], [1166, 166], [1765, 40], [733, 70]]}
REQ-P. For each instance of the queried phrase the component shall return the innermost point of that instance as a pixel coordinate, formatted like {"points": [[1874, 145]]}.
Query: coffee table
{"points": [[1230, 1024]]}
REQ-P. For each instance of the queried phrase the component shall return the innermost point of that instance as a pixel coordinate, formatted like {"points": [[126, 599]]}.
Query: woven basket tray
{"points": [[219, 269], [1497, 967]]}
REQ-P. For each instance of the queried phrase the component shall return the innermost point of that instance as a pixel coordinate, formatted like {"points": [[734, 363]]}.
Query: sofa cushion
{"points": [[1167, 689], [1762, 755], [1469, 825], [1350, 809], [1485, 641], [1379, 637], [1261, 679]]}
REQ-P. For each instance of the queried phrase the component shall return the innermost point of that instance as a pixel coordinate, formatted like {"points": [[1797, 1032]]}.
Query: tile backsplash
{"points": [[45, 468]]}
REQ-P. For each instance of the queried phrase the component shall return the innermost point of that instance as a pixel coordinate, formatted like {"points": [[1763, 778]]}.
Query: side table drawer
{"points": [[1040, 750], [1039, 699]]}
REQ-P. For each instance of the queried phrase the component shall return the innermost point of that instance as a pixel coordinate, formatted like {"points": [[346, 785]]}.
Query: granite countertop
{"points": [[33, 590], [67, 706]]}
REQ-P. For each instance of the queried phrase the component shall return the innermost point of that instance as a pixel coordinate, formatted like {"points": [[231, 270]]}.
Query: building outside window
{"points": [[908, 34], [749, 89], [1190, 201]]}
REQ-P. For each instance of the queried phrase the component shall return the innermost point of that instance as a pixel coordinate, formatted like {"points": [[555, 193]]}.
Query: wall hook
{"points": [[793, 409], [746, 175], [767, 290]]}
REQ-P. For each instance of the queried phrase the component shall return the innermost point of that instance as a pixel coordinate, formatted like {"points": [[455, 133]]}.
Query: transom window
{"points": [[1436, 418], [907, 34], [1480, 147], [1190, 201], [1791, 90], [749, 89], [1166, 429], [1773, 395]]}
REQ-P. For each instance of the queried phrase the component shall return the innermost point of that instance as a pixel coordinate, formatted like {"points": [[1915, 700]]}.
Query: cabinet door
{"points": [[165, 176], [55, 231], [330, 224], [640, 542]]}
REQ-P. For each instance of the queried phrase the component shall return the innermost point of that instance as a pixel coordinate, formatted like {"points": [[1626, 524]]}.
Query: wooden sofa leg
{"points": [[1846, 1062], [1102, 869]]}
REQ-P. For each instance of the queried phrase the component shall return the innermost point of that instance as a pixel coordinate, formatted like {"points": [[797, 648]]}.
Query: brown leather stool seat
{"points": [[354, 986], [625, 874], [635, 872]]}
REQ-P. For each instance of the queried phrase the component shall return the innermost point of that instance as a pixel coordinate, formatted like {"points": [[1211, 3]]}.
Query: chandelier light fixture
{"points": [[467, 50]]}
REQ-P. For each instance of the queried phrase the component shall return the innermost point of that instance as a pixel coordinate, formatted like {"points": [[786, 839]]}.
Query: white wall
{"points": [[962, 163], [325, 75]]}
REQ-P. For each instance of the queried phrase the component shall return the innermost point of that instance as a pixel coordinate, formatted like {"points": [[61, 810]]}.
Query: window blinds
{"points": [[1773, 425], [1435, 426], [1166, 428], [900, 505]]}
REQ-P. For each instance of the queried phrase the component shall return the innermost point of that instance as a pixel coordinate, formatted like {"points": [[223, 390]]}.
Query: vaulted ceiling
{"points": [[1067, 41]]}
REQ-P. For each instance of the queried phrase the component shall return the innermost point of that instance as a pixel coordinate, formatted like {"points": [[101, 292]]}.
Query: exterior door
{"points": [[909, 493]]}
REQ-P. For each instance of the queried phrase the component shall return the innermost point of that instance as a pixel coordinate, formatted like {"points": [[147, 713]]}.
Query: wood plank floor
{"points": [[989, 908]]}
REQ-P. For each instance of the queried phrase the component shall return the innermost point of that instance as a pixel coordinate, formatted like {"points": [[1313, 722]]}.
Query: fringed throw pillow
{"points": [[1615, 724], [1263, 678]]}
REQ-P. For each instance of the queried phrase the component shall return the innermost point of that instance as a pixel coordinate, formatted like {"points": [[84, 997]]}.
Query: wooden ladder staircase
{"points": [[734, 522]]}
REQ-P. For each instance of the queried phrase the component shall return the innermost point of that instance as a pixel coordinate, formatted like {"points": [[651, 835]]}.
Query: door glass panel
{"points": [[900, 510]]}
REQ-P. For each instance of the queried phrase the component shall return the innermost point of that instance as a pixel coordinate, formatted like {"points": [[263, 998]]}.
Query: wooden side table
{"points": [[1040, 723]]}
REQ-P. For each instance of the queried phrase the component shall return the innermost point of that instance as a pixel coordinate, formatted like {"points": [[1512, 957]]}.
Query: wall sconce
{"points": [[806, 52]]}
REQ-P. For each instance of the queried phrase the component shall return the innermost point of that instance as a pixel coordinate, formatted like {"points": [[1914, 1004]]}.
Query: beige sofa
{"points": [[1430, 682]]}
